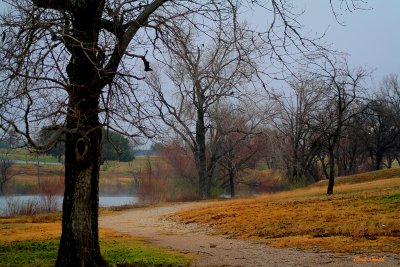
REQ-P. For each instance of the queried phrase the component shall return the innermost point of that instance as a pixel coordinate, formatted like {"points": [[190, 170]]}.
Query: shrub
{"points": [[49, 192], [17, 207]]}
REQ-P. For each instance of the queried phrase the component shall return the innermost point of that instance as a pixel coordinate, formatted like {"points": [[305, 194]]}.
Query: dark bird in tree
{"points": [[146, 64]]}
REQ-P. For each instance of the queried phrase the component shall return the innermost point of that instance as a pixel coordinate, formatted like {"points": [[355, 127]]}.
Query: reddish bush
{"points": [[49, 190]]}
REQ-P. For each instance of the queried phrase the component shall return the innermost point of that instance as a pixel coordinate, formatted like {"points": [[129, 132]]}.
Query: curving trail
{"points": [[211, 250]]}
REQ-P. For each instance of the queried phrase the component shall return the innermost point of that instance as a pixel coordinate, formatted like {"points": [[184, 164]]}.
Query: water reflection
{"points": [[104, 201]]}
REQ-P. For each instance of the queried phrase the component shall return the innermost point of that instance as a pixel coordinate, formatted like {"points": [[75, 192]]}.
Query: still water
{"points": [[105, 201]]}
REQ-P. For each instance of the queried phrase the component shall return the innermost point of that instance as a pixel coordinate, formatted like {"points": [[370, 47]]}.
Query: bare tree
{"points": [[314, 119], [298, 142], [379, 124], [351, 153], [71, 66], [5, 171], [390, 92], [236, 141], [201, 75], [342, 92]]}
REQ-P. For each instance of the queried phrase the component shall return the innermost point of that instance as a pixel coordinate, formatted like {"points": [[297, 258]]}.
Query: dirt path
{"points": [[220, 251]]}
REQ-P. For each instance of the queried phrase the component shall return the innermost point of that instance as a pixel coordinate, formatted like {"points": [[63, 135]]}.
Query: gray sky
{"points": [[370, 37]]}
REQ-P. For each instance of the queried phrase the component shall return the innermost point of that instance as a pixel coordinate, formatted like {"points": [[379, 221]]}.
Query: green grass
{"points": [[392, 202], [141, 254], [25, 155], [114, 251], [262, 167], [28, 253], [391, 198]]}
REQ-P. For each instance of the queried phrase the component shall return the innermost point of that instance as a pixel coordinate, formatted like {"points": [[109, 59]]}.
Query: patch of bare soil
{"points": [[150, 222]]}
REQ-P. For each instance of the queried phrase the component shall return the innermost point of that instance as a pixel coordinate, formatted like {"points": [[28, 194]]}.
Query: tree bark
{"points": [[201, 155], [232, 183], [378, 160], [79, 245], [331, 171]]}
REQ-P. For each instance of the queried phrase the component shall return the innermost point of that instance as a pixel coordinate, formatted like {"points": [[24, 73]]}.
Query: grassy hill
{"points": [[362, 216]]}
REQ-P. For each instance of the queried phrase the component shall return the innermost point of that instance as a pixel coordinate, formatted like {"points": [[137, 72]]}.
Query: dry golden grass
{"points": [[27, 174], [359, 217], [33, 228], [43, 227], [365, 177]]}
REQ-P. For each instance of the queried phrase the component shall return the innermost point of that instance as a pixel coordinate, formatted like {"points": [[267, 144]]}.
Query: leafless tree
{"points": [[380, 131], [342, 92], [5, 171], [72, 66], [299, 143], [379, 124], [351, 153], [390, 92], [313, 120], [236, 141], [202, 74]]}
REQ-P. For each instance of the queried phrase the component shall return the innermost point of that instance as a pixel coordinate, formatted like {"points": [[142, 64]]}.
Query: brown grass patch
{"points": [[365, 177], [42, 227], [359, 217], [29, 228]]}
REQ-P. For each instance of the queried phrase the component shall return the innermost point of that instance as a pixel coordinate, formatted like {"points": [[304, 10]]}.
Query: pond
{"points": [[104, 201]]}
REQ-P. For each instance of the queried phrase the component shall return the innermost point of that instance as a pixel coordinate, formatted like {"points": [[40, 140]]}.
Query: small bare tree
{"points": [[5, 171], [235, 140], [342, 90]]}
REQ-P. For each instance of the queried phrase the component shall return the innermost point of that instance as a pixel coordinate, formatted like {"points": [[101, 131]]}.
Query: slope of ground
{"points": [[217, 250], [359, 217]]}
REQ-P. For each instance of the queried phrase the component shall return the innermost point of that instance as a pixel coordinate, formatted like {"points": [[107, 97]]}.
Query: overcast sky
{"points": [[370, 37]]}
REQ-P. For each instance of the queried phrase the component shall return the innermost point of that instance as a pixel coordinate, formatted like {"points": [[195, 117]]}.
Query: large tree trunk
{"points": [[79, 244]]}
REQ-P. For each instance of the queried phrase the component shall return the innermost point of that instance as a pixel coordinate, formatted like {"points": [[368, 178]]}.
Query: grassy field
{"points": [[23, 154], [362, 216], [33, 241]]}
